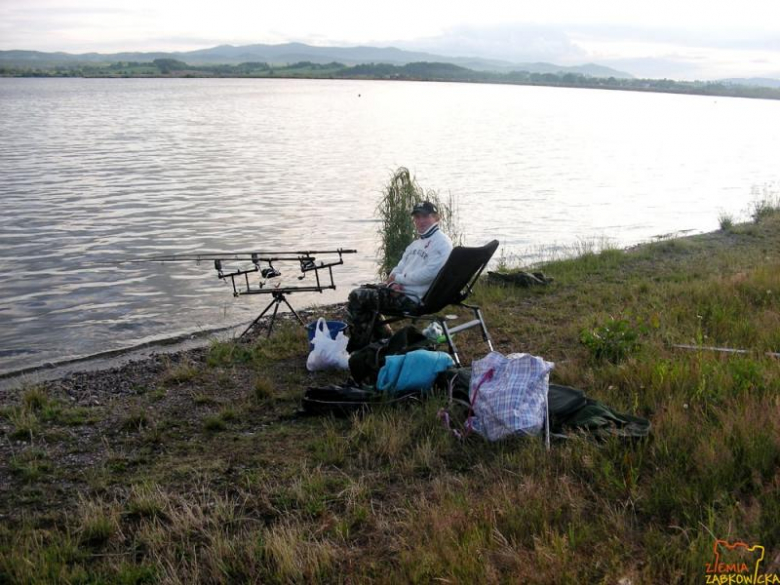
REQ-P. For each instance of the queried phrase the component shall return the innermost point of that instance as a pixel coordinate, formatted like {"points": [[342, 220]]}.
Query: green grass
{"points": [[215, 479], [31, 464], [263, 388], [135, 420], [765, 205], [179, 374], [214, 423], [98, 522], [146, 500], [38, 413], [285, 343]]}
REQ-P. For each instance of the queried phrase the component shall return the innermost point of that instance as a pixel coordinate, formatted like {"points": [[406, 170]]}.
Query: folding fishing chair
{"points": [[452, 285]]}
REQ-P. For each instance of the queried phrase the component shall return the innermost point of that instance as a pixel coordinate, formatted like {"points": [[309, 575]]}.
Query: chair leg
{"points": [[450, 342], [547, 420], [485, 333]]}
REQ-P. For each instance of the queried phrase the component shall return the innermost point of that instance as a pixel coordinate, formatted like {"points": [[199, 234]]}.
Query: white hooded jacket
{"points": [[422, 261]]}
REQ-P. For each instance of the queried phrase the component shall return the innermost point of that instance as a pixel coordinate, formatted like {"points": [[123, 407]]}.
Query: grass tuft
{"points": [[766, 204], [614, 341], [136, 420], [214, 423], [98, 522], [263, 388], [35, 398], [295, 555], [725, 222], [179, 374], [147, 500], [31, 464]]}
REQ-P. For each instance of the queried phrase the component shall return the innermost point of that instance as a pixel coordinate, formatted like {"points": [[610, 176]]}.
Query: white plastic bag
{"points": [[327, 353]]}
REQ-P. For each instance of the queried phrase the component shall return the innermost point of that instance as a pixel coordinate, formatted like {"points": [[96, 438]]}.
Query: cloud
{"points": [[46, 25], [666, 38], [673, 51], [679, 54], [717, 38], [518, 43]]}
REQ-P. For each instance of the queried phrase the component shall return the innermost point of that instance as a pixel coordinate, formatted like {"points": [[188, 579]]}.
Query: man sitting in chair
{"points": [[408, 282]]}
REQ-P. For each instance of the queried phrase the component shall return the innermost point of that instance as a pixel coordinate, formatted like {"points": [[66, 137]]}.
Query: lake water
{"points": [[95, 170]]}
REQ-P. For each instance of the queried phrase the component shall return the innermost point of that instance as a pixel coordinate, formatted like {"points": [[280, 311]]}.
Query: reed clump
{"points": [[396, 230]]}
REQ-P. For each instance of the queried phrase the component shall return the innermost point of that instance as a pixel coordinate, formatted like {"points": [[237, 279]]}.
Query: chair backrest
{"points": [[457, 277]]}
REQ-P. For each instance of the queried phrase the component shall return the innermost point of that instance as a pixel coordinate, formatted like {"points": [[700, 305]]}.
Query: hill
{"points": [[256, 62], [290, 53]]}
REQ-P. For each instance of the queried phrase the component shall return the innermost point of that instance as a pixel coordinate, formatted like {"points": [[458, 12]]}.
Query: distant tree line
{"points": [[422, 71], [449, 72]]}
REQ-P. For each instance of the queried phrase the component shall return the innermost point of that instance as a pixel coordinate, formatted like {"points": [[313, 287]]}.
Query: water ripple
{"points": [[95, 171]]}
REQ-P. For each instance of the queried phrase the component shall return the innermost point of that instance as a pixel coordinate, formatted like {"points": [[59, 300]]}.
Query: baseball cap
{"points": [[425, 207]]}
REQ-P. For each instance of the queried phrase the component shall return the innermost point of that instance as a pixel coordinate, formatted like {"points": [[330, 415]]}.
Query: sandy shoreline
{"points": [[115, 362]]}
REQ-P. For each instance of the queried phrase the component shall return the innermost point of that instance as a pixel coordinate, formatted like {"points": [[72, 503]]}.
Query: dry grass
{"points": [[141, 490]]}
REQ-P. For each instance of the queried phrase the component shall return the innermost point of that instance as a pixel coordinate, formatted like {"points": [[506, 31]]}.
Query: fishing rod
{"points": [[307, 263], [306, 260], [262, 262], [252, 255]]}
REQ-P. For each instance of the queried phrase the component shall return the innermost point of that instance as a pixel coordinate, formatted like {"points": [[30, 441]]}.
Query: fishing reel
{"points": [[270, 272]]}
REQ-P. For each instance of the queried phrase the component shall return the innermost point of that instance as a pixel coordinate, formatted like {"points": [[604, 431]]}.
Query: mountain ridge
{"points": [[288, 53]]}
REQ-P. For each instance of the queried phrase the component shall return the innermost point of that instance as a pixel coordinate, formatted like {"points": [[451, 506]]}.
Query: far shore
{"points": [[429, 72]]}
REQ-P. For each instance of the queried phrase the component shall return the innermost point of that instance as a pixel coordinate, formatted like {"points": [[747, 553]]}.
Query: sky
{"points": [[677, 39]]}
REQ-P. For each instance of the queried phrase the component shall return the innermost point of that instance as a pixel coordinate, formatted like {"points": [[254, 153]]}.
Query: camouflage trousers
{"points": [[363, 304]]}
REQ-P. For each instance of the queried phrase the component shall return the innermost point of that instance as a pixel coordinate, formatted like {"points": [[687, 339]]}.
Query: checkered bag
{"points": [[508, 394]]}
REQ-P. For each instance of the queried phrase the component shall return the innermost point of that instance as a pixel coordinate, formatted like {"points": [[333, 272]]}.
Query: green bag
{"points": [[570, 409]]}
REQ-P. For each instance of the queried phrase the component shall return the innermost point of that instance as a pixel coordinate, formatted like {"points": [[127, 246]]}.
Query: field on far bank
{"points": [[195, 467]]}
